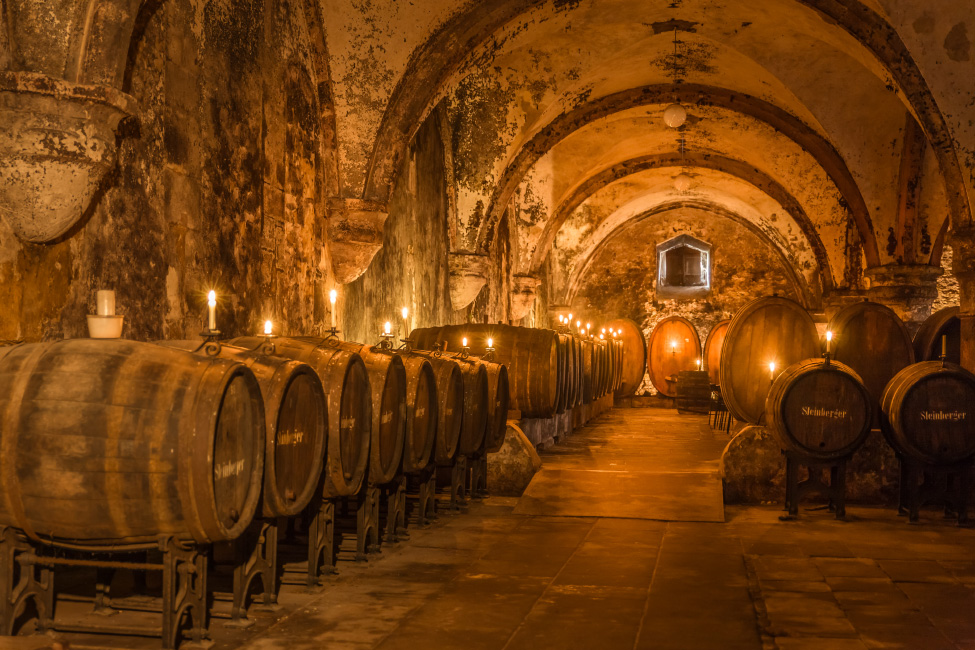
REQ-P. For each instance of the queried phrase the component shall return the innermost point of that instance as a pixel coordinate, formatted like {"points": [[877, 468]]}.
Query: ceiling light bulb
{"points": [[675, 115]]}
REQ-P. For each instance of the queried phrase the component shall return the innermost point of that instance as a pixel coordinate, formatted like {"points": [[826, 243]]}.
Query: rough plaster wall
{"points": [[621, 279], [947, 284], [411, 268], [218, 186]]}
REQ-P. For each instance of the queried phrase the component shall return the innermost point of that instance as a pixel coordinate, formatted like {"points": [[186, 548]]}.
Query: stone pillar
{"points": [[963, 266], [909, 289]]}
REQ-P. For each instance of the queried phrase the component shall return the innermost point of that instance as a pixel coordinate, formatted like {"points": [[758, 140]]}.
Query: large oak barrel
{"points": [[450, 412], [871, 339], [387, 381], [929, 413], [819, 410], [771, 329], [499, 398], [693, 392], [927, 339], [347, 392], [113, 443], [530, 354], [476, 400], [588, 388], [422, 406], [565, 371], [712, 350], [295, 424], [634, 355], [673, 347]]}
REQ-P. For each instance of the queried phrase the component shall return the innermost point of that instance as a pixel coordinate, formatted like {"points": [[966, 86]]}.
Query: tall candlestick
{"points": [[212, 305], [332, 297], [105, 302]]}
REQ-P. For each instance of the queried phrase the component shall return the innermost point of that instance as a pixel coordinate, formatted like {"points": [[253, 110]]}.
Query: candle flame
{"points": [[602, 336], [604, 331], [406, 313], [388, 327], [332, 296], [212, 298], [569, 318], [829, 335], [268, 326], [771, 366], [588, 326], [464, 342], [490, 343], [579, 324]]}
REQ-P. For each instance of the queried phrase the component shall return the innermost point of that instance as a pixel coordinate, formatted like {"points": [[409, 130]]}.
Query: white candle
{"points": [[464, 342], [105, 302], [569, 318], [771, 367], [212, 305], [387, 328], [332, 297], [579, 325], [829, 340], [698, 364], [268, 327], [490, 343]]}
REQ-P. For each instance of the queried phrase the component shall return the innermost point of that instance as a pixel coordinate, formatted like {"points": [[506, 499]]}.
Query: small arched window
{"points": [[683, 268]]}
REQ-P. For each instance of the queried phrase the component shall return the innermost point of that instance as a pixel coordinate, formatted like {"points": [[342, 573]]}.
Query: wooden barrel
{"points": [[580, 371], [387, 382], [347, 393], [113, 443], [927, 340], [450, 413], [499, 397], [568, 372], [929, 413], [693, 392], [634, 355], [422, 405], [712, 350], [476, 404], [530, 354], [588, 389], [673, 347], [871, 339], [295, 424], [771, 329], [821, 411]]}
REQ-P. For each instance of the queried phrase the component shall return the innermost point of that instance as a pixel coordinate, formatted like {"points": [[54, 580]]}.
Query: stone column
{"points": [[963, 266], [909, 289]]}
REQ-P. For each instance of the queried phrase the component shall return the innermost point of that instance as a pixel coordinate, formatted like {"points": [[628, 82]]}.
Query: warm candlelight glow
{"points": [[406, 313], [490, 343], [464, 342], [561, 318], [579, 324], [604, 331], [212, 306], [602, 336], [698, 364], [569, 318], [332, 296], [588, 326], [829, 339], [388, 328], [268, 327], [771, 367]]}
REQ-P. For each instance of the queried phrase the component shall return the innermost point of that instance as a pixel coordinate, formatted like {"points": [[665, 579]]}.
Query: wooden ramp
{"points": [[632, 463]]}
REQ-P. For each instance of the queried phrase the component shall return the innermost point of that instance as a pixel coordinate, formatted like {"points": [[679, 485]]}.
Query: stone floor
{"points": [[497, 579]]}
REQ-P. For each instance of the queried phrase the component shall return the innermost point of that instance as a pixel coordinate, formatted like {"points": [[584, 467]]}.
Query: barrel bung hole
{"points": [[822, 444]]}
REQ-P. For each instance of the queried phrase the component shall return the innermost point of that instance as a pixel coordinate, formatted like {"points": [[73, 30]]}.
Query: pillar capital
{"points": [[355, 234], [468, 275], [524, 290]]}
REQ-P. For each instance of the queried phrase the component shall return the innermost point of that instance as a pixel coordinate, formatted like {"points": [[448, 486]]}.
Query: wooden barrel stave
{"points": [[712, 350], [450, 410], [633, 356], [110, 444], [499, 398], [422, 413], [927, 339], [347, 391]]}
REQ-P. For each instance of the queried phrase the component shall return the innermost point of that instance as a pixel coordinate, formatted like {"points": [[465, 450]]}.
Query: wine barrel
{"points": [[295, 425], [821, 411], [387, 381], [530, 354], [771, 329], [712, 350], [421, 413], [568, 372], [693, 392], [929, 413], [674, 346], [634, 355], [580, 371], [871, 339], [113, 443], [499, 397], [450, 413], [927, 340], [347, 393], [476, 404], [588, 389]]}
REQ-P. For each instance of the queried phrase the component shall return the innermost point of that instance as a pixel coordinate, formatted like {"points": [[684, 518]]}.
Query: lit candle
{"points": [[332, 297], [490, 343], [569, 319], [604, 331], [771, 367], [602, 336], [464, 342], [829, 340], [387, 328], [105, 302], [406, 324], [579, 325], [698, 364], [588, 326], [212, 304], [267, 328], [673, 347]]}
